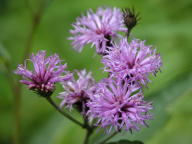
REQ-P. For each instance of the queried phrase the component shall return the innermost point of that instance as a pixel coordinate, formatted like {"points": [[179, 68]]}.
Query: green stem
{"points": [[36, 18], [89, 130], [88, 134], [17, 113], [17, 87], [18, 91], [63, 113], [17, 96]]}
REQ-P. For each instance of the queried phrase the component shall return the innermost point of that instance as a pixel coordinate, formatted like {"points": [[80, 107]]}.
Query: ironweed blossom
{"points": [[116, 106], [46, 72], [77, 92], [97, 29], [132, 61]]}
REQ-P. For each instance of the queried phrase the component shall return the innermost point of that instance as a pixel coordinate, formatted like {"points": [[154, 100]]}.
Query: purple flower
{"points": [[116, 106], [77, 92], [133, 61], [97, 28], [47, 71]]}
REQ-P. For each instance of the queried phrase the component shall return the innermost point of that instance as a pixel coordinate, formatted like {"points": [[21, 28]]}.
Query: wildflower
{"points": [[116, 106], [132, 61], [77, 92], [97, 29], [47, 71]]}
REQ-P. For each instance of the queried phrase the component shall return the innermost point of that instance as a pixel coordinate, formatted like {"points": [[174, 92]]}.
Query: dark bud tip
{"points": [[130, 17]]}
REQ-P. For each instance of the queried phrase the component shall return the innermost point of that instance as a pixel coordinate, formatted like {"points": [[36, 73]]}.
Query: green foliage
{"points": [[164, 24]]}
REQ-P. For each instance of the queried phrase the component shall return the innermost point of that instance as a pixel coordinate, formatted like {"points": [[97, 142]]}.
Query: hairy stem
{"points": [[108, 138], [63, 113]]}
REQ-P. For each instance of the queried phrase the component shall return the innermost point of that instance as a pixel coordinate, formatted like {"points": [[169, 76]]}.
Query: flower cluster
{"points": [[129, 64], [116, 102]]}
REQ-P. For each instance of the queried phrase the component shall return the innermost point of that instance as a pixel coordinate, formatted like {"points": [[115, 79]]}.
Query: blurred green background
{"points": [[166, 24]]}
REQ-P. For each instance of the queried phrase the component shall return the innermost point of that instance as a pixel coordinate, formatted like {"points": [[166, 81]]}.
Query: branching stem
{"points": [[64, 113]]}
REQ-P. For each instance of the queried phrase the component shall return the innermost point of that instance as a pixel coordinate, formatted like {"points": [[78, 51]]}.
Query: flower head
{"points": [[77, 92], [97, 28], [116, 106], [47, 71], [133, 61]]}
